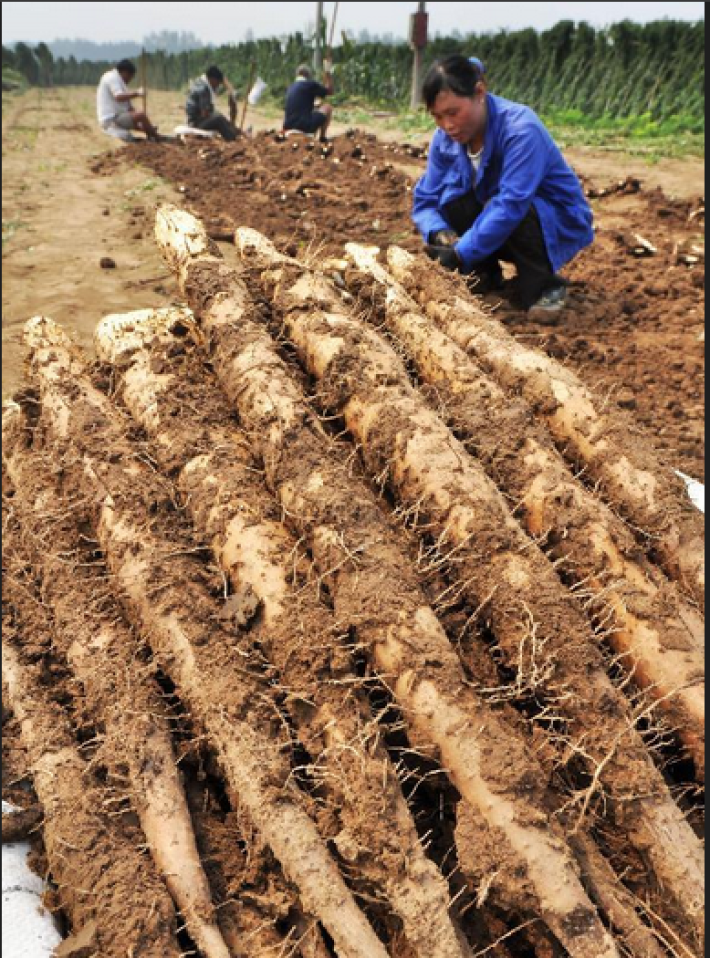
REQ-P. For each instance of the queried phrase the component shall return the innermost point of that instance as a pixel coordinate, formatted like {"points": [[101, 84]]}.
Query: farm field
{"points": [[634, 329], [348, 614]]}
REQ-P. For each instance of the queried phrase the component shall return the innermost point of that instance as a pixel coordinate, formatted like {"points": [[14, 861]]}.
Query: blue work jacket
{"points": [[521, 165]]}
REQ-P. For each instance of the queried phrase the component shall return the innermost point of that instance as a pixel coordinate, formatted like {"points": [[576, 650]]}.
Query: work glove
{"points": [[444, 238], [327, 66], [140, 91], [446, 255]]}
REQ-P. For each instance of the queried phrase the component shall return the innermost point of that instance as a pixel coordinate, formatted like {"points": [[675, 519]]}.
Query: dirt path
{"points": [[59, 221]]}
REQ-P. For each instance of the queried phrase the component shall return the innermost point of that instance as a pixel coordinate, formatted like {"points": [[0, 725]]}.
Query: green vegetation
{"points": [[628, 83], [147, 186], [680, 135], [9, 228], [12, 80]]}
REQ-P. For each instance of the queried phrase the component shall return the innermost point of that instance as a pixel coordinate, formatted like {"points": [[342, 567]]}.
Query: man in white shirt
{"points": [[115, 111]]}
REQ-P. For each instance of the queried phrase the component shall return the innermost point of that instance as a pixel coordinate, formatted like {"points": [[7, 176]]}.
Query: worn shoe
{"points": [[550, 304]]}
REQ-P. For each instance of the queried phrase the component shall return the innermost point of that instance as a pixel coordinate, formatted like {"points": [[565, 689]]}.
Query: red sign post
{"points": [[418, 27]]}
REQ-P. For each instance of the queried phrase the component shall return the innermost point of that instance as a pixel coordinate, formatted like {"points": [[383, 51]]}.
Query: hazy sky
{"points": [[225, 22]]}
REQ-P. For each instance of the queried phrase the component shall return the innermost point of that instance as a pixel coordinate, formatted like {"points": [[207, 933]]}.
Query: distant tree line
{"points": [[625, 70], [171, 41]]}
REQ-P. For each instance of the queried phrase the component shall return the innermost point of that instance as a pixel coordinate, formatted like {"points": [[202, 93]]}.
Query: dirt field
{"points": [[338, 621], [633, 329]]}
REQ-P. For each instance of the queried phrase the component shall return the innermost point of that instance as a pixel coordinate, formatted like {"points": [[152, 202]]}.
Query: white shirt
{"points": [[476, 159], [107, 106]]}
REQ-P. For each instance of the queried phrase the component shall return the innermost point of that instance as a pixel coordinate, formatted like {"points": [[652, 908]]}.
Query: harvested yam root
{"points": [[535, 620], [110, 891], [163, 591], [655, 632], [362, 563], [232, 509], [606, 447], [122, 697], [119, 696]]}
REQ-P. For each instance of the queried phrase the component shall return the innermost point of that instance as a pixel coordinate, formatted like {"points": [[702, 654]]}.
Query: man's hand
{"points": [[444, 238], [139, 92], [446, 255], [328, 65]]}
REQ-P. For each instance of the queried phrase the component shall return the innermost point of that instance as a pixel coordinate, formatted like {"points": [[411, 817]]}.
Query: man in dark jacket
{"points": [[202, 113], [497, 188], [300, 103]]}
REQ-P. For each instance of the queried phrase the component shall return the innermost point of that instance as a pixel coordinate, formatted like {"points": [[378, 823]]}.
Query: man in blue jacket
{"points": [[497, 188]]}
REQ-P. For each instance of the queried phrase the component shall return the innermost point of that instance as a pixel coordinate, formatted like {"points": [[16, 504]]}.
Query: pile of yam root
{"points": [[338, 622]]}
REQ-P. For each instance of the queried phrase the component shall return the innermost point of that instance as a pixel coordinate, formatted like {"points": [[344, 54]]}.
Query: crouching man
{"points": [[301, 113], [115, 110], [201, 105]]}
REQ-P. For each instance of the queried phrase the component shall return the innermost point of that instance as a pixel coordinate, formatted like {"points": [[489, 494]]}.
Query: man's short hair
{"points": [[125, 66], [214, 73], [304, 71]]}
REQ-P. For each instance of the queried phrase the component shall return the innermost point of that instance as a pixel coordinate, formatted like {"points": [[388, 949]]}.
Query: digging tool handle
{"points": [[252, 74], [232, 100], [143, 82], [329, 48], [329, 51]]}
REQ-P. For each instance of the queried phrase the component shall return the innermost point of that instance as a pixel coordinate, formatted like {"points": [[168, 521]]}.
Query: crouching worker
{"points": [[202, 113], [497, 188], [301, 97], [114, 106]]}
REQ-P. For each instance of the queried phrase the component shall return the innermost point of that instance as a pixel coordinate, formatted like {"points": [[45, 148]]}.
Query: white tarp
{"points": [[28, 929], [696, 490], [183, 130]]}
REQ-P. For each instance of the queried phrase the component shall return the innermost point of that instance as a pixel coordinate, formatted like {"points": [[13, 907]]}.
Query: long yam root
{"points": [[658, 635], [625, 467], [105, 656], [106, 886]]}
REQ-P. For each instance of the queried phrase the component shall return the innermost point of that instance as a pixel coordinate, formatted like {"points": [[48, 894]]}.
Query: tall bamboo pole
{"points": [[250, 82], [318, 51]]}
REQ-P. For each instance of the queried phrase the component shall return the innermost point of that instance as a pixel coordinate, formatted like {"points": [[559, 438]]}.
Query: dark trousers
{"points": [[525, 248], [219, 123]]}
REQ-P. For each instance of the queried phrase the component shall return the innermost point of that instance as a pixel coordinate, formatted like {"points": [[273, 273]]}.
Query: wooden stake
{"points": [[143, 81], [252, 73], [329, 52]]}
